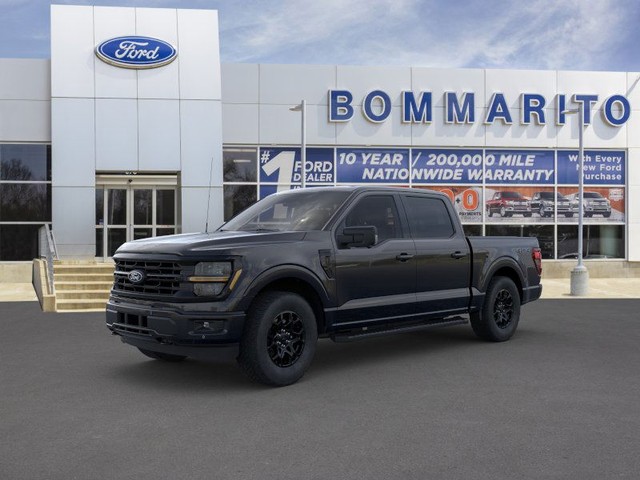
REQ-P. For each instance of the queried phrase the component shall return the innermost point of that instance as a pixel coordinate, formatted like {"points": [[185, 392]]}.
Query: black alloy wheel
{"points": [[285, 339], [279, 338], [503, 309], [498, 318]]}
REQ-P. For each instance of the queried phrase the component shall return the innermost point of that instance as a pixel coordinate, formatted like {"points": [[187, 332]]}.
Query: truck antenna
{"points": [[206, 223]]}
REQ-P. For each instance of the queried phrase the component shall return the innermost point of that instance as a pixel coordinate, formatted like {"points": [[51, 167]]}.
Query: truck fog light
{"points": [[208, 289]]}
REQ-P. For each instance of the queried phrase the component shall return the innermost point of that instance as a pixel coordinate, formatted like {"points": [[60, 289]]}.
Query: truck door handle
{"points": [[458, 254], [403, 257]]}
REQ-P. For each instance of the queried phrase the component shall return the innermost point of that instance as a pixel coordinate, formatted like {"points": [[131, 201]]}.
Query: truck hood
{"points": [[191, 243]]}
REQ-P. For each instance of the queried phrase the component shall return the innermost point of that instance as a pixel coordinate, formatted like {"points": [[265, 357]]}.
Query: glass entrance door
{"points": [[132, 211]]}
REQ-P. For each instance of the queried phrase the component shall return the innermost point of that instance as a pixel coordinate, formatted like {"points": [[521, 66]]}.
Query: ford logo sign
{"points": [[136, 277], [136, 52]]}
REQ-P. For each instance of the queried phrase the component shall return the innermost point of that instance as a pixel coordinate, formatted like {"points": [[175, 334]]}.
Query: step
{"points": [[390, 330], [82, 262], [82, 294], [101, 285], [82, 310], [77, 277], [80, 305], [83, 269]]}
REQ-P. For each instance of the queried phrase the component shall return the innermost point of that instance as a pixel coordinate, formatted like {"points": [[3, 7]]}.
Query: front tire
{"points": [[167, 357], [498, 319], [279, 339]]}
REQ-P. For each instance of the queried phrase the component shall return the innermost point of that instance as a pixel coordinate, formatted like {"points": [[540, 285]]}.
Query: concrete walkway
{"points": [[598, 288], [17, 292], [552, 288]]}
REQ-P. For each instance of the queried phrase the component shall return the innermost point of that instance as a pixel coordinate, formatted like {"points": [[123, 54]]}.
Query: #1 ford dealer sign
{"points": [[136, 52]]}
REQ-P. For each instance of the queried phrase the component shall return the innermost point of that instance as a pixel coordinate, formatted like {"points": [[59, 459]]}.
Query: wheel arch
{"points": [[292, 279], [505, 267]]}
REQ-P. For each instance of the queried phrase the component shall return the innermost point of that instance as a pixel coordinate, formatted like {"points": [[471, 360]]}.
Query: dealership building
{"points": [[134, 129]]}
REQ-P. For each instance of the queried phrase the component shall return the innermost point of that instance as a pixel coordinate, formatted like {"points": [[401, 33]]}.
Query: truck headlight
{"points": [[210, 278]]}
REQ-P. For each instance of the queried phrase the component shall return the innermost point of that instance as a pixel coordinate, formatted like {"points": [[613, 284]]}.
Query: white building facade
{"points": [[107, 154]]}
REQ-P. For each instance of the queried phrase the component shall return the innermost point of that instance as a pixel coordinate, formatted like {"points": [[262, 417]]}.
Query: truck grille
{"points": [[161, 278]]}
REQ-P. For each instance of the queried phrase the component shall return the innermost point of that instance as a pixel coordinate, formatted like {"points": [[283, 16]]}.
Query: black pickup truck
{"points": [[343, 262]]}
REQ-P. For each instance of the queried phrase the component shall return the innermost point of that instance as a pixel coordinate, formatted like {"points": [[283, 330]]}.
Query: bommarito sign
{"points": [[459, 108]]}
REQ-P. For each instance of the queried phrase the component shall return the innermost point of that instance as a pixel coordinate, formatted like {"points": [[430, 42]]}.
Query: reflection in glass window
{"points": [[165, 231], [99, 242], [115, 238], [472, 230], [26, 163], [166, 207], [599, 241], [117, 206], [142, 206], [237, 198], [18, 242], [25, 202], [100, 207], [544, 234], [239, 164]]}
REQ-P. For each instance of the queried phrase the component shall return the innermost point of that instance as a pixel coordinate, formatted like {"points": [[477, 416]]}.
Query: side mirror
{"points": [[364, 236]]}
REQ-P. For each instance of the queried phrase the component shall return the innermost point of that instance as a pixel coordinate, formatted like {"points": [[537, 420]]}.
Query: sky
{"points": [[516, 34]]}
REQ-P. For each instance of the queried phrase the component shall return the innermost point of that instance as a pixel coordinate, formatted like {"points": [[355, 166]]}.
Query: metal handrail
{"points": [[48, 250]]}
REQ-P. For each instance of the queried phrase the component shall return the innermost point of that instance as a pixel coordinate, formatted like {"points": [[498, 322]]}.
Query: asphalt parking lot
{"points": [[560, 400]]}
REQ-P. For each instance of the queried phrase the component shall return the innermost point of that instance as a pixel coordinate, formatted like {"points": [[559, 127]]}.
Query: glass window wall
{"points": [[25, 198], [530, 193]]}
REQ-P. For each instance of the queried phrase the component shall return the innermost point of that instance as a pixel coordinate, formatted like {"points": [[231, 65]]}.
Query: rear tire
{"points": [[279, 339], [167, 357], [498, 319]]}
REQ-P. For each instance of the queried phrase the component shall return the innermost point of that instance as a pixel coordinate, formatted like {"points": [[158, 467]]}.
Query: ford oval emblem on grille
{"points": [[136, 52], [136, 277]]}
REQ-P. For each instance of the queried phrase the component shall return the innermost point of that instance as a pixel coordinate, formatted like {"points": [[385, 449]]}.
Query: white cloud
{"points": [[547, 34]]}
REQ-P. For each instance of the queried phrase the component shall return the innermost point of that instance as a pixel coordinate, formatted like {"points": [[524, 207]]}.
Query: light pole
{"points": [[580, 274], [302, 107]]}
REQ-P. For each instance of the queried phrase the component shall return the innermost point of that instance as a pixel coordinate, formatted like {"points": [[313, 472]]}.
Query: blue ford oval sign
{"points": [[136, 52]]}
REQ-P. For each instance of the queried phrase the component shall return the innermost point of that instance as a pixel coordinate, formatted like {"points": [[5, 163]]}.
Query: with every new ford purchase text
{"points": [[345, 263]]}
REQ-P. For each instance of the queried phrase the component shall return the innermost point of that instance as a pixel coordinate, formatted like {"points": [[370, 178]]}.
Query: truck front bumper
{"points": [[170, 329]]}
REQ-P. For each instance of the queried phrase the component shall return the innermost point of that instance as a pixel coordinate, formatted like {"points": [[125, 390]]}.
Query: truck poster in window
{"points": [[601, 167], [524, 167], [510, 204], [282, 166], [467, 200], [446, 166], [601, 205], [373, 165]]}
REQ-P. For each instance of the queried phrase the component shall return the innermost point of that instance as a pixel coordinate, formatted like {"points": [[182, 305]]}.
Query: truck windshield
{"points": [[511, 195], [298, 210]]}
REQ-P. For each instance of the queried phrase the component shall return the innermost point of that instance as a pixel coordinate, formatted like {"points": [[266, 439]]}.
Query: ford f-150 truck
{"points": [[343, 262]]}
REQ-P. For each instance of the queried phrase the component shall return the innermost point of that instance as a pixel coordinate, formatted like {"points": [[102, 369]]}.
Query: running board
{"points": [[362, 334]]}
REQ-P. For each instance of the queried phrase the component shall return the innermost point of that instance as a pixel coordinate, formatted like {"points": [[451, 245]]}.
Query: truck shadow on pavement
{"points": [[219, 370]]}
